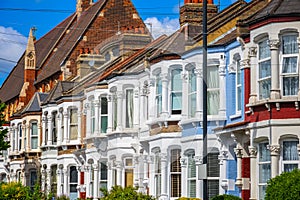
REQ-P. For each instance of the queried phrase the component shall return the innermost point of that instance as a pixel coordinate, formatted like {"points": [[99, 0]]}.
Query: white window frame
{"points": [[157, 174], [20, 136], [103, 180], [70, 177], [93, 116], [175, 173], [283, 161], [175, 92], [103, 115], [158, 94], [191, 93], [128, 168], [238, 86], [260, 163], [73, 124], [289, 74], [213, 89], [266, 78], [34, 136], [54, 127], [190, 177], [129, 122]]}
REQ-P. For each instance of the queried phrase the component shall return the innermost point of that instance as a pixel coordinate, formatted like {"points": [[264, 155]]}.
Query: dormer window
{"points": [[264, 71], [290, 78]]}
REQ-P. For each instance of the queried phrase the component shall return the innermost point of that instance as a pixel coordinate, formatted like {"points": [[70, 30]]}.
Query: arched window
{"points": [[191, 176], [103, 114], [158, 95], [73, 123], [213, 90], [264, 165], [54, 128], [192, 93], [176, 91], [175, 171], [129, 108], [290, 157], [213, 173], [73, 181]]}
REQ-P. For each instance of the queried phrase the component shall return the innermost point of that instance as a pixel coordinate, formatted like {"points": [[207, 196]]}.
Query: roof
{"points": [[277, 9], [34, 104], [61, 88]]}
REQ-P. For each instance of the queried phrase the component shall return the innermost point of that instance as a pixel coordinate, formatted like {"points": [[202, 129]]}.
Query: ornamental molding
{"points": [[274, 44], [252, 151], [274, 149]]}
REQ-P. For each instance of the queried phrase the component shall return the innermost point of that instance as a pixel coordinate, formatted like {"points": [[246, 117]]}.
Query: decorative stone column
{"points": [[136, 108], [223, 169], [184, 172], [275, 88], [49, 139], [253, 62], [59, 182], [66, 138], [44, 121], [199, 91], [119, 110], [164, 176], [198, 162], [239, 154], [96, 181], [151, 102], [275, 153], [79, 113], [253, 179], [88, 119], [110, 113], [43, 181], [185, 91], [165, 92], [59, 131], [88, 173], [97, 105], [48, 171], [109, 175], [119, 172], [222, 85], [66, 183]]}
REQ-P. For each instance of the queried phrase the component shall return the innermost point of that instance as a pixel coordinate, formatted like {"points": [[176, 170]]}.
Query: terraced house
{"points": [[116, 107]]}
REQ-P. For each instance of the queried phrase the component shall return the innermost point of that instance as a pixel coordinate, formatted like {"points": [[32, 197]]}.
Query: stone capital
{"points": [[274, 44], [252, 52], [198, 160], [274, 149], [238, 152], [183, 161], [198, 72], [163, 157], [252, 151]]}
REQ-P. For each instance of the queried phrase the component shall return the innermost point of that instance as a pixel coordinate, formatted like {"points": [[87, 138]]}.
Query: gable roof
{"points": [[34, 104]]}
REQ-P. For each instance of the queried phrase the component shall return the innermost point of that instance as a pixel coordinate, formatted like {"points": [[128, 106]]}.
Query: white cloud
{"points": [[12, 46], [159, 27]]}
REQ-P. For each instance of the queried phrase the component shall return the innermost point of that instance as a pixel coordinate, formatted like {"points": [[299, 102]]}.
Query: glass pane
{"points": [[104, 105], [264, 153], [264, 88], [213, 77], [103, 172], [239, 98], [192, 104], [34, 129], [159, 104], [158, 85], [175, 185], [238, 72], [73, 188], [192, 188], [103, 124], [264, 173], [191, 168], [176, 101], [176, 80], [193, 82], [290, 151], [290, 44], [213, 188], [34, 143], [73, 132], [290, 167], [33, 178], [264, 50], [73, 116], [265, 69], [157, 179], [289, 65], [73, 175], [262, 191], [175, 160], [129, 108], [213, 165], [290, 86], [128, 177], [213, 102]]}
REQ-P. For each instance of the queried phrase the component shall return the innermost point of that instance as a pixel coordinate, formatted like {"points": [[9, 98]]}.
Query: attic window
{"points": [[135, 16], [101, 14], [85, 38]]}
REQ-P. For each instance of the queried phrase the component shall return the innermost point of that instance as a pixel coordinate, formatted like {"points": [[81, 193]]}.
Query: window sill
{"points": [[237, 115]]}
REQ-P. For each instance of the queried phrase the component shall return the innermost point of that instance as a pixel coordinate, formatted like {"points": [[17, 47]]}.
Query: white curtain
{"points": [[290, 44], [129, 110], [192, 94], [213, 96]]}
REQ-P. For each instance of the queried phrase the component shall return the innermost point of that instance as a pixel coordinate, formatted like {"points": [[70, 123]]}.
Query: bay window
{"points": [[73, 181], [157, 174], [290, 78], [175, 173], [290, 156], [129, 108], [176, 91], [33, 178], [192, 93], [103, 175], [213, 91], [264, 164], [104, 115], [264, 65], [213, 174], [128, 172], [73, 124], [34, 135]]}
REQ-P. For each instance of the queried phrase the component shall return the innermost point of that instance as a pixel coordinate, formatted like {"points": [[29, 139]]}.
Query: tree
{"points": [[127, 193], [4, 145], [285, 186], [226, 197]]}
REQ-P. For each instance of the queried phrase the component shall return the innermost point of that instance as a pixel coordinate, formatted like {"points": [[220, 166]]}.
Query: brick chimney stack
{"points": [[82, 5], [191, 11]]}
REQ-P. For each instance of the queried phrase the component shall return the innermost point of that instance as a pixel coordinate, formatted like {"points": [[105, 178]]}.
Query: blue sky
{"points": [[17, 16]]}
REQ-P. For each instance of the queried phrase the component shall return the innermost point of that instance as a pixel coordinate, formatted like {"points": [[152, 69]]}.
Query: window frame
{"points": [[103, 115], [238, 87], [93, 116], [213, 89], [73, 124], [175, 94], [127, 113], [128, 169], [34, 136], [191, 176], [192, 92], [293, 162], [262, 185], [175, 172], [158, 94], [70, 179], [54, 123], [260, 61], [295, 74]]}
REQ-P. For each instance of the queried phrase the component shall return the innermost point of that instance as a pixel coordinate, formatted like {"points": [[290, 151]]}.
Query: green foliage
{"points": [[4, 145], [14, 191], [226, 197], [127, 193], [187, 198], [63, 197], [285, 186]]}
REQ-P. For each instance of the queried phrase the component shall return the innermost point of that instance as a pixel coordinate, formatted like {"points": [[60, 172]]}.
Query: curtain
{"points": [[176, 90], [129, 109], [192, 94], [290, 86], [213, 96], [158, 95], [290, 44], [264, 50], [290, 150], [265, 88]]}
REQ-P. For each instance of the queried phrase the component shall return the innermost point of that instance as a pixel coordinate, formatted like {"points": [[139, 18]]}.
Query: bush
{"points": [[14, 190], [285, 186], [226, 197], [187, 198], [128, 193]]}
